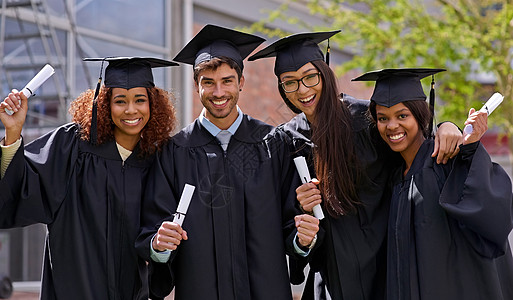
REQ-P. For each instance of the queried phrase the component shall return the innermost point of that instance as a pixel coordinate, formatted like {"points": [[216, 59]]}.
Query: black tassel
{"points": [[328, 54], [93, 134], [94, 115], [432, 104]]}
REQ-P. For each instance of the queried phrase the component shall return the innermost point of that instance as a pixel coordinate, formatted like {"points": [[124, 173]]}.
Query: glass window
{"points": [[134, 19]]}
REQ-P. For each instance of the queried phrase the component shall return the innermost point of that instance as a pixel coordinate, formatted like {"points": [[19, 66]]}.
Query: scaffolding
{"points": [[36, 32], [28, 41]]}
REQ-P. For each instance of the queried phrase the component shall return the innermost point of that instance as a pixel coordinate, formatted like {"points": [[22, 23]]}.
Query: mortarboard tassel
{"points": [[94, 112], [328, 53], [432, 104]]}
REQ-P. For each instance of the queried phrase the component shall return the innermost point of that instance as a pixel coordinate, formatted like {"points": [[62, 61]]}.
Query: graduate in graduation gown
{"points": [[352, 258], [449, 224], [87, 187], [345, 152], [240, 221]]}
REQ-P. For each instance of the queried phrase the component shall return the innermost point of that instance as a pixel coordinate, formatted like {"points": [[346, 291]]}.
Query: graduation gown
{"points": [[240, 214], [90, 202], [352, 255], [448, 230]]}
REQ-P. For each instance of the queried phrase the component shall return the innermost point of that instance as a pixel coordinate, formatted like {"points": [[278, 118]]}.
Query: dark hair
{"points": [[153, 136], [420, 111], [215, 63], [335, 160]]}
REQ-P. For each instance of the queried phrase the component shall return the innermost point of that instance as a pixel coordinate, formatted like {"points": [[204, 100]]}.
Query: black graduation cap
{"points": [[215, 41], [294, 51], [394, 86], [127, 73], [130, 72], [397, 85]]}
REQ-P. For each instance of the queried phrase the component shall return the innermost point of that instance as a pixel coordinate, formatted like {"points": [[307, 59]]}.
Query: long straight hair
{"points": [[335, 161]]}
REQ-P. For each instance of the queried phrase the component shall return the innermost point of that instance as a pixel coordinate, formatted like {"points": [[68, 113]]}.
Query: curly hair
{"points": [[154, 135]]}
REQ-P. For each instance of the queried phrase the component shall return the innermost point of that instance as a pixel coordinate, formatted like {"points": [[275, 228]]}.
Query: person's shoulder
{"points": [[187, 131], [66, 131], [192, 135], [298, 124], [252, 130], [255, 123], [358, 108]]}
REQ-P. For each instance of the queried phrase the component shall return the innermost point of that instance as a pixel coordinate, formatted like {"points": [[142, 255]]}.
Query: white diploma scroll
{"points": [[302, 169], [46, 72], [183, 205], [489, 107]]}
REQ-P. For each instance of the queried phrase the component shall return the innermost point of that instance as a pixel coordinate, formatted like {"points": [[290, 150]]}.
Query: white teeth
{"points": [[304, 100], [131, 121], [396, 137], [219, 102]]}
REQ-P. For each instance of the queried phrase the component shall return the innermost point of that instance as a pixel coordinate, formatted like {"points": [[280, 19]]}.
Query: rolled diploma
{"points": [[302, 169], [183, 205], [489, 107], [46, 72]]}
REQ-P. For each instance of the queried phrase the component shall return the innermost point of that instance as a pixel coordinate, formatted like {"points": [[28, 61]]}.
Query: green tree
{"points": [[466, 37]]}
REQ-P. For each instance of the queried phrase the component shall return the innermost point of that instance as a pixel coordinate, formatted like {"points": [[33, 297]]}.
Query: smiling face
{"points": [[305, 98], [400, 130], [219, 92], [130, 112]]}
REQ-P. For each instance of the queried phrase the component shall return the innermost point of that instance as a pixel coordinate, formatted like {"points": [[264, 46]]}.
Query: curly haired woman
{"points": [[85, 180]]}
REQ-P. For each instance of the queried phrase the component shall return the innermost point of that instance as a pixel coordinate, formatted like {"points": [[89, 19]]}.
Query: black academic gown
{"points": [[90, 202], [240, 214], [352, 255], [453, 242]]}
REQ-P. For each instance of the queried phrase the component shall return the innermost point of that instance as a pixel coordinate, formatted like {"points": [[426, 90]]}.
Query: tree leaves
{"points": [[467, 37]]}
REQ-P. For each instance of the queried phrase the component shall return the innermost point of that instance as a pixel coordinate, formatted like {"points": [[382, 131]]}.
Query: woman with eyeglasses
{"points": [[351, 163]]}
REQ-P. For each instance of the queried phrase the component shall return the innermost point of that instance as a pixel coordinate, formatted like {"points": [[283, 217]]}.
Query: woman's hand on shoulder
{"points": [[447, 140]]}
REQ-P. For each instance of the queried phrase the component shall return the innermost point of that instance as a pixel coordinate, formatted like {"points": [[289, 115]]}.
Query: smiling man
{"points": [[241, 216]]}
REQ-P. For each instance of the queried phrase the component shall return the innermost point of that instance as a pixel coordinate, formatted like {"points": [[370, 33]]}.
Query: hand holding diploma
{"points": [[307, 194], [46, 72], [488, 108], [478, 120], [170, 234], [13, 123]]}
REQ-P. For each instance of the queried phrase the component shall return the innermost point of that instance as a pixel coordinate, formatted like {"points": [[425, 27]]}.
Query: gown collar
{"points": [[425, 150], [196, 135], [109, 150]]}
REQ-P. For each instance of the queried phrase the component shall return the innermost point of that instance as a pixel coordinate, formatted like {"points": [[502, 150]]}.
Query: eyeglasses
{"points": [[309, 80]]}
